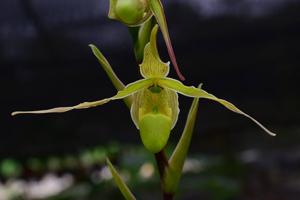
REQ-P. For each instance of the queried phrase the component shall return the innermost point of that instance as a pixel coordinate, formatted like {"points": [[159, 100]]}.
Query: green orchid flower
{"points": [[153, 100], [136, 12]]}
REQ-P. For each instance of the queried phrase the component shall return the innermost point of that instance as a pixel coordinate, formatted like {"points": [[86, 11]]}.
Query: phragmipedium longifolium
{"points": [[152, 100], [154, 108]]}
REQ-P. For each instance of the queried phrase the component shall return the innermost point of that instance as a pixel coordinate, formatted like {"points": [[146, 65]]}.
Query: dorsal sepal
{"points": [[152, 66]]}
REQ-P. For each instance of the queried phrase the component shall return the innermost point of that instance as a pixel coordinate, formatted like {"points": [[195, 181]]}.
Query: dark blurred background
{"points": [[245, 51]]}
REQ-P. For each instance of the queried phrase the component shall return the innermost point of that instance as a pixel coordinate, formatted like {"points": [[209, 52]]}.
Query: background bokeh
{"points": [[245, 51]]}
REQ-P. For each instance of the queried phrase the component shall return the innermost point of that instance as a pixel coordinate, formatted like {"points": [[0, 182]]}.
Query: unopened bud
{"points": [[130, 12]]}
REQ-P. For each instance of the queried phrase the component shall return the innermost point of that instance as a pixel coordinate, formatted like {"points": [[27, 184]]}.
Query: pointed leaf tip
{"points": [[120, 183], [110, 72], [158, 11]]}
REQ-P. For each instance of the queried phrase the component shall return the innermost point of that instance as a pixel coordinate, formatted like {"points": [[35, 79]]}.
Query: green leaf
{"points": [[128, 90], [110, 73], [176, 161], [196, 92], [120, 183], [152, 66], [158, 11]]}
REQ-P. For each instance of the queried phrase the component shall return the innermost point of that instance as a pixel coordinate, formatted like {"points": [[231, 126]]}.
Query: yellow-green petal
{"points": [[200, 93], [83, 105], [128, 90], [133, 87]]}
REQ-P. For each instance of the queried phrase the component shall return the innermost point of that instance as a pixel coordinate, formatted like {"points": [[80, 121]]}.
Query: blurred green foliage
{"points": [[214, 177]]}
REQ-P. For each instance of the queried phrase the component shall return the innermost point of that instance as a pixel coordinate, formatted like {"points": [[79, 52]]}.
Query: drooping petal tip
{"points": [[258, 123], [200, 93], [13, 114]]}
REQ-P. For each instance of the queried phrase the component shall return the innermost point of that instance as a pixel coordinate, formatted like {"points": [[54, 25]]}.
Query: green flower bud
{"points": [[130, 12], [155, 131]]}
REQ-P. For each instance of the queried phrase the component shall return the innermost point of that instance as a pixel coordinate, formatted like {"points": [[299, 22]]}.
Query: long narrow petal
{"points": [[120, 183], [158, 11], [83, 105], [110, 73], [128, 90], [196, 92]]}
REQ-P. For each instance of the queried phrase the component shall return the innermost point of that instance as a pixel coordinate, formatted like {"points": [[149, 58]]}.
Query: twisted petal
{"points": [[128, 90], [197, 92], [83, 105], [158, 11]]}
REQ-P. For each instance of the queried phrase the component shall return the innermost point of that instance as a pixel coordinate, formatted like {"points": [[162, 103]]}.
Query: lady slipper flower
{"points": [[136, 12], [154, 108]]}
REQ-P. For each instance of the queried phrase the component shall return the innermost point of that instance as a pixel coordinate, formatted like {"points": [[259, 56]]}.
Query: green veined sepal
{"points": [[152, 66]]}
